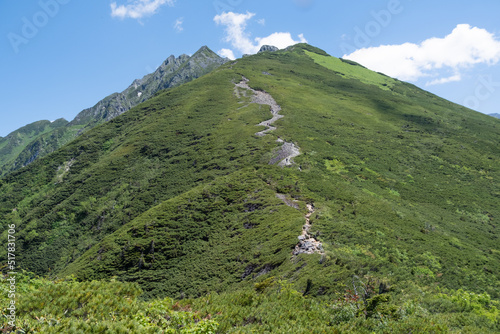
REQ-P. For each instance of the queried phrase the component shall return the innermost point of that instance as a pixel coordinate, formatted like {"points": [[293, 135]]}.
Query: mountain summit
{"points": [[171, 73], [265, 48]]}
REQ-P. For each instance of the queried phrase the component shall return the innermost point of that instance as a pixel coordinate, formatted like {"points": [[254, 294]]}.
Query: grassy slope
{"points": [[345, 69], [414, 173], [123, 168], [206, 239], [40, 146], [402, 181], [17, 141]]}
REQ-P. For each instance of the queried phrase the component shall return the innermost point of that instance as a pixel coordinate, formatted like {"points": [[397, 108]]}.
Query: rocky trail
{"points": [[308, 244], [283, 157], [285, 154]]}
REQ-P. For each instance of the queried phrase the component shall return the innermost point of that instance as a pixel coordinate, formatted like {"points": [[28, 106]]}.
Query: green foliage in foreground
{"points": [[271, 306], [67, 306]]}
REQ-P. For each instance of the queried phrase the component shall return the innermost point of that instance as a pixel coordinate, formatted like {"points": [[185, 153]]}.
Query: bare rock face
{"points": [[265, 48]]}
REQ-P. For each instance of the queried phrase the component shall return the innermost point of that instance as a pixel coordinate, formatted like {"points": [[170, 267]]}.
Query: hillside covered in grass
{"points": [[183, 196], [14, 145]]}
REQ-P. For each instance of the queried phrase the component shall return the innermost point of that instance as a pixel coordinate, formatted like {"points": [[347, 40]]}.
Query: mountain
{"points": [[287, 191], [496, 115], [173, 72], [13, 144], [265, 48]]}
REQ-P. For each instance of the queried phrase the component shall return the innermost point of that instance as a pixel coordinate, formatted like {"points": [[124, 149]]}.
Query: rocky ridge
{"points": [[171, 73], [270, 48]]}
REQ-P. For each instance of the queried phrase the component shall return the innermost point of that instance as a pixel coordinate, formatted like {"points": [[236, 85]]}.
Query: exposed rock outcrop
{"points": [[265, 48]]}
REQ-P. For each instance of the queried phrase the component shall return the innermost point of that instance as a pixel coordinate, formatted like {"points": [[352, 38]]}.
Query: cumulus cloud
{"points": [[178, 24], [235, 30], [463, 48], [227, 53], [138, 9], [279, 39], [236, 24]]}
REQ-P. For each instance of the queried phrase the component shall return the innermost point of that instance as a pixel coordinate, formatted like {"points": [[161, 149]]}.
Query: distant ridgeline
{"points": [[287, 191], [38, 139]]}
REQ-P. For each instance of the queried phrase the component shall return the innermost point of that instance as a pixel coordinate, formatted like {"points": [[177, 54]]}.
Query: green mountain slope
{"points": [[14, 143], [393, 189], [173, 72]]}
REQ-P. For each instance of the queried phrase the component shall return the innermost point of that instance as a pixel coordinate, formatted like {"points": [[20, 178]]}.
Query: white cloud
{"points": [[138, 8], [178, 24], [279, 39], [227, 53], [463, 48], [235, 30], [453, 78], [262, 22], [240, 40]]}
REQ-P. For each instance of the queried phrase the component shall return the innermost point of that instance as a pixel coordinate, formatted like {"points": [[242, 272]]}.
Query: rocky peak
{"points": [[204, 48], [172, 72], [270, 48]]}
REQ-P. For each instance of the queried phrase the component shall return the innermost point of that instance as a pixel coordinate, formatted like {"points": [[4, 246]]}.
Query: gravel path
{"points": [[284, 157], [285, 154], [307, 244]]}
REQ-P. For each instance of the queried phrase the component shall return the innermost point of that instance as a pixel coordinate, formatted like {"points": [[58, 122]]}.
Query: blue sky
{"points": [[59, 57]]}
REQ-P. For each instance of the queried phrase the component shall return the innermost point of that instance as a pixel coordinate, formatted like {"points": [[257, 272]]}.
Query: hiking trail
{"points": [[285, 154]]}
